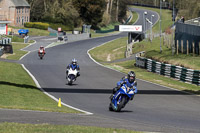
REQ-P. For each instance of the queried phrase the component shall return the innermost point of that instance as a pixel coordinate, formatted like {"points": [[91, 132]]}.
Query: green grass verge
{"points": [[17, 53], [37, 32], [47, 128], [153, 52], [16, 39], [135, 17], [110, 51], [18, 91]]}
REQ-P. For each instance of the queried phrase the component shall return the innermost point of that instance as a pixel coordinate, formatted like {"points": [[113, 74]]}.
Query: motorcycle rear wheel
{"points": [[110, 107]]}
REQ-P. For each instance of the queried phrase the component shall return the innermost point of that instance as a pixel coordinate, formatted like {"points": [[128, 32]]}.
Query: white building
{"points": [[4, 27]]}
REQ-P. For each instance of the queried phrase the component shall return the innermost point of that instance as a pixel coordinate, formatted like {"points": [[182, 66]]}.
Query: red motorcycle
{"points": [[41, 55]]}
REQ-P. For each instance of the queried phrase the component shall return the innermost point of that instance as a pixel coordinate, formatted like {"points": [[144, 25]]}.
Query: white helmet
{"points": [[74, 61]]}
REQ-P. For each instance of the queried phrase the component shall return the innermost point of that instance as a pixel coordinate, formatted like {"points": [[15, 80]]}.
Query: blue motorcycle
{"points": [[121, 98]]}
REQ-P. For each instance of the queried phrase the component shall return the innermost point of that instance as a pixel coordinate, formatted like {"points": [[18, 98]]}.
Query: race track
{"points": [[154, 108]]}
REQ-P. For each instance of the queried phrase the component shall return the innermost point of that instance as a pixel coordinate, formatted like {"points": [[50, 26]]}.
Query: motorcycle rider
{"points": [[74, 65], [129, 80], [41, 50]]}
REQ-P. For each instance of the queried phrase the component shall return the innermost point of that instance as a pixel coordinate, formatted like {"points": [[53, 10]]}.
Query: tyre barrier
{"points": [[1, 51], [4, 41], [177, 72], [6, 47]]}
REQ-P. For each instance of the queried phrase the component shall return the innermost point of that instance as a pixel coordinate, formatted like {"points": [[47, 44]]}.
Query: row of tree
{"points": [[77, 12]]}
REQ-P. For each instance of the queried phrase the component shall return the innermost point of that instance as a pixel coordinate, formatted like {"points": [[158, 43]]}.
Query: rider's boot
{"points": [[111, 97], [132, 97]]}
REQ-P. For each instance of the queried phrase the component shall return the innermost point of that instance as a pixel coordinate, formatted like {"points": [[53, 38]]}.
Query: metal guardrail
{"points": [[177, 72], [195, 21]]}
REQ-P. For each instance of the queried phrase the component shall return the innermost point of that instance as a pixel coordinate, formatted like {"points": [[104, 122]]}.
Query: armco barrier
{"points": [[177, 72]]}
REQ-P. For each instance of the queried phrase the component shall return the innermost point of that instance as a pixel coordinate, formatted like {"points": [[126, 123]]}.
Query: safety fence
{"points": [[187, 38], [177, 72]]}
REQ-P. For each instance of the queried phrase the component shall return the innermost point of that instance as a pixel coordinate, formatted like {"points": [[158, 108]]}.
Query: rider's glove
{"points": [[135, 89]]}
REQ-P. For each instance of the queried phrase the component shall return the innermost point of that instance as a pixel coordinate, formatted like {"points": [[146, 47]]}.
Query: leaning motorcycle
{"points": [[121, 98], [41, 54], [71, 75]]}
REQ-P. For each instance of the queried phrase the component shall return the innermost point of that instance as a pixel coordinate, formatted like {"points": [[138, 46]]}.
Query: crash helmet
{"points": [[74, 61], [41, 47], [131, 76]]}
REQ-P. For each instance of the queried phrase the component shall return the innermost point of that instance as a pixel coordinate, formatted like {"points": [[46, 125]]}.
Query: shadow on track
{"points": [[109, 91], [18, 85]]}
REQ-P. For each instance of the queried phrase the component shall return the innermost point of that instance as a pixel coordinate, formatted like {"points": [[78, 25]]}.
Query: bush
{"points": [[63, 27], [106, 20], [37, 25]]}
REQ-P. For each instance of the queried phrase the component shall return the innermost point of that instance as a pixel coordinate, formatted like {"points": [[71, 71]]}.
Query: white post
{"points": [[151, 27]]}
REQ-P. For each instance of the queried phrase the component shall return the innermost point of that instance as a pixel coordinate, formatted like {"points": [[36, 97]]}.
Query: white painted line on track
{"points": [[24, 55], [55, 38], [29, 45], [38, 86], [98, 62], [26, 50]]}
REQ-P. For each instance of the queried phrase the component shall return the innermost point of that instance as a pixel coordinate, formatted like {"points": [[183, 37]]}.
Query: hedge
{"points": [[37, 25]]}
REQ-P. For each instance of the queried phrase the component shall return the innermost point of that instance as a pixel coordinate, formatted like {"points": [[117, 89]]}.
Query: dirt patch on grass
{"points": [[4, 56], [108, 58], [118, 48]]}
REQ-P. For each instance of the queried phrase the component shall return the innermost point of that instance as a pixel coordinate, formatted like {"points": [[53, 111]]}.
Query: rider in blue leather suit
{"points": [[73, 65], [129, 80]]}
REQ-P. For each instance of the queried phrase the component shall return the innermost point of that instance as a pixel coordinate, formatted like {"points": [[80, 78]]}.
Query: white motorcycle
{"points": [[71, 76]]}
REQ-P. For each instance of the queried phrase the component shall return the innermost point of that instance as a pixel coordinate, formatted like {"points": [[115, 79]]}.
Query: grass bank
{"points": [[47, 128], [18, 91], [17, 52], [112, 49], [153, 52]]}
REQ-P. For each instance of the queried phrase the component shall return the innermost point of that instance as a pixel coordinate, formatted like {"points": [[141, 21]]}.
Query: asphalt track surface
{"points": [[155, 108]]}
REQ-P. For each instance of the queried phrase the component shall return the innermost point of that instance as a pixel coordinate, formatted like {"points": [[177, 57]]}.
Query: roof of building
{"points": [[20, 3]]}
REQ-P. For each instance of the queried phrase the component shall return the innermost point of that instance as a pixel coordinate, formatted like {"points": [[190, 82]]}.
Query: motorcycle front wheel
{"points": [[121, 104], [70, 82]]}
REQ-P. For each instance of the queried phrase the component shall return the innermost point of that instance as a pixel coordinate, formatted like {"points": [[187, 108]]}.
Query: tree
{"points": [[54, 11], [91, 11], [37, 10], [117, 10]]}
